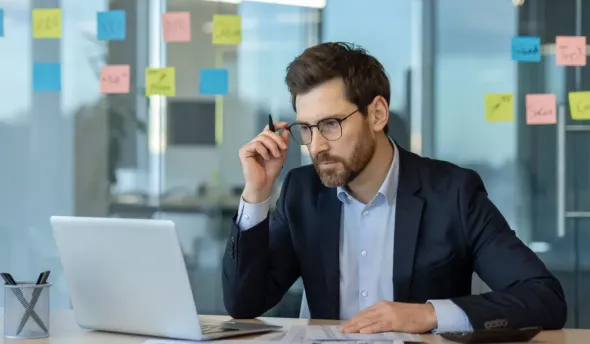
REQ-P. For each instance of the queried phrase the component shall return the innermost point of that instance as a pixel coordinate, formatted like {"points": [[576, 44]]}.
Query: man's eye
{"points": [[330, 124]]}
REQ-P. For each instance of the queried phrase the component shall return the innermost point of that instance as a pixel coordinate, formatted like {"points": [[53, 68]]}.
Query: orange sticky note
{"points": [[570, 50], [176, 26], [541, 109], [580, 105], [115, 79]]}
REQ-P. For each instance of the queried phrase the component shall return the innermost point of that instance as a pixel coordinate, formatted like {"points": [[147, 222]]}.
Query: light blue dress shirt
{"points": [[366, 251]]}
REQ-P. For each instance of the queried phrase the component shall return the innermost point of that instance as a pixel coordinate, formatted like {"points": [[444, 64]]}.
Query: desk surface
{"points": [[65, 331]]}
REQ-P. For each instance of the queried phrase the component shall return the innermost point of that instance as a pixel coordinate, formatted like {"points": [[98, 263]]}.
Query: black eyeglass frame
{"points": [[311, 126]]}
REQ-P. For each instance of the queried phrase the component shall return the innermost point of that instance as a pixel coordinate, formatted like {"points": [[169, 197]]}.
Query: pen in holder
{"points": [[26, 310]]}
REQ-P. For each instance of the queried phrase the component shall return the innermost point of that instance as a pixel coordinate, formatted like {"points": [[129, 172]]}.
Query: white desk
{"points": [[63, 330]]}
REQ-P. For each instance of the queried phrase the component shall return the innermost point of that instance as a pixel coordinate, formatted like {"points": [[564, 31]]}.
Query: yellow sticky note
{"points": [[227, 29], [47, 23], [160, 81], [580, 105], [499, 107]]}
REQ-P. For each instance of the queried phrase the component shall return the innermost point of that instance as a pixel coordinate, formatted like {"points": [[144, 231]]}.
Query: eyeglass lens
{"points": [[329, 128]]}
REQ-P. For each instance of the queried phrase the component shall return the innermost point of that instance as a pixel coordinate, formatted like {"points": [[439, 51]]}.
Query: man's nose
{"points": [[318, 142]]}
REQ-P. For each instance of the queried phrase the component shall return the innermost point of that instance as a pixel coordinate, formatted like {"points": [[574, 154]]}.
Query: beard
{"points": [[342, 172]]}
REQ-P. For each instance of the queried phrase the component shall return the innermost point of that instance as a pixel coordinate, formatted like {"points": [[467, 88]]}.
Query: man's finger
{"points": [[286, 136], [356, 326], [358, 322], [276, 138], [381, 326], [372, 312], [351, 326], [369, 311], [365, 322], [351, 322], [278, 125], [270, 144]]}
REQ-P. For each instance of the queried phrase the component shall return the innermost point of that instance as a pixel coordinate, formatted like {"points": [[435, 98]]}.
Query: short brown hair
{"points": [[364, 77]]}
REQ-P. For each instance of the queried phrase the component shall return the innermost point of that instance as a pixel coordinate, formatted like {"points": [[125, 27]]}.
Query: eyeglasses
{"points": [[330, 128]]}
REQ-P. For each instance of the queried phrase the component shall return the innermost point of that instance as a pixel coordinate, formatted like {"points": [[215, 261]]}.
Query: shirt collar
{"points": [[389, 187]]}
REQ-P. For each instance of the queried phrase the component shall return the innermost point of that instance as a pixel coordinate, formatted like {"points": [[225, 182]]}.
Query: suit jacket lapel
{"points": [[329, 211], [408, 214]]}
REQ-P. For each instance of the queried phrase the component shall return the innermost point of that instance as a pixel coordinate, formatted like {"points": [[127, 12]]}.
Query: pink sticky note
{"points": [[541, 109], [114, 79], [176, 26], [570, 50]]}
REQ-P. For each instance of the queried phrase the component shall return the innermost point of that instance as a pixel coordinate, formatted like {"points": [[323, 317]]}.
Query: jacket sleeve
{"points": [[524, 293], [259, 264]]}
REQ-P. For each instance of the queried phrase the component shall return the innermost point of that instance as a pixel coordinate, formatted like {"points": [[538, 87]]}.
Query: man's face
{"points": [[340, 161]]}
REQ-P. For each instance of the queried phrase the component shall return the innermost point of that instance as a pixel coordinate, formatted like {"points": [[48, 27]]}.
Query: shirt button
{"points": [[365, 213], [246, 217], [364, 293], [349, 198], [364, 253]]}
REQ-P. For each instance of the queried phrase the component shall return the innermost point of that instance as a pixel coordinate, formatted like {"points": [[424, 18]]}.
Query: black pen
{"points": [[43, 277], [271, 125], [7, 278]]}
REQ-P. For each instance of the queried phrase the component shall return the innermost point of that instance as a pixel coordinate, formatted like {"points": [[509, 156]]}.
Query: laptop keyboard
{"points": [[210, 328]]}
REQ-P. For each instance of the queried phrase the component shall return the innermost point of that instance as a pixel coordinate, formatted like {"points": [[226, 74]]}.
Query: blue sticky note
{"points": [[46, 76], [214, 81], [111, 25], [526, 49], [1, 22]]}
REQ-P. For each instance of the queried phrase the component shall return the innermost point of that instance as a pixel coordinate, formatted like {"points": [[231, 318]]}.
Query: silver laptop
{"points": [[129, 276]]}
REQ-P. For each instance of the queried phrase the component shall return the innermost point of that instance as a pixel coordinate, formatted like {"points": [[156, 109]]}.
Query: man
{"points": [[381, 237]]}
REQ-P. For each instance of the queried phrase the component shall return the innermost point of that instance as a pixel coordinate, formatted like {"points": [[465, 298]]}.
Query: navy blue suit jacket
{"points": [[446, 228]]}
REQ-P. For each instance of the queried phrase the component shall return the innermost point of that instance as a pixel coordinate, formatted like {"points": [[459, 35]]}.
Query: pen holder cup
{"points": [[26, 310]]}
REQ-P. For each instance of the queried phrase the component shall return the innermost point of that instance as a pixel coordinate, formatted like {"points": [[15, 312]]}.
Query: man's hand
{"points": [[393, 316], [262, 160]]}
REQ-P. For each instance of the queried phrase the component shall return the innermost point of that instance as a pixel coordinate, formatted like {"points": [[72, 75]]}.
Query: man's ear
{"points": [[379, 113]]}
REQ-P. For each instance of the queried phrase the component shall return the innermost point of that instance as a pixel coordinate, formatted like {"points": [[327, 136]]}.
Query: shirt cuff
{"points": [[251, 214], [450, 317]]}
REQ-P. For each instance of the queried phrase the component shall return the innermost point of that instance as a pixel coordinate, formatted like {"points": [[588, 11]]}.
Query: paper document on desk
{"points": [[306, 334], [178, 341]]}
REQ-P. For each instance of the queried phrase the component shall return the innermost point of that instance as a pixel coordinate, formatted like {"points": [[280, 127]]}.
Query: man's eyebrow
{"points": [[336, 116]]}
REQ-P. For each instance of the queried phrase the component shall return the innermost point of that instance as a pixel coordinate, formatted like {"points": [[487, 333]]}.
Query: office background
{"points": [[79, 152]]}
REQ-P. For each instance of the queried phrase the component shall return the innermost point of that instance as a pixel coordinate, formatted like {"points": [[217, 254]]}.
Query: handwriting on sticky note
{"points": [[227, 29], [160, 81], [111, 25], [115, 79], [47, 23], [541, 109], [579, 105], [176, 26], [499, 107], [570, 50], [526, 49]]}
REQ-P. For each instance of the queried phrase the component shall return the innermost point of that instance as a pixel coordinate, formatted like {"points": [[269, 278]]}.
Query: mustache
{"points": [[324, 157]]}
